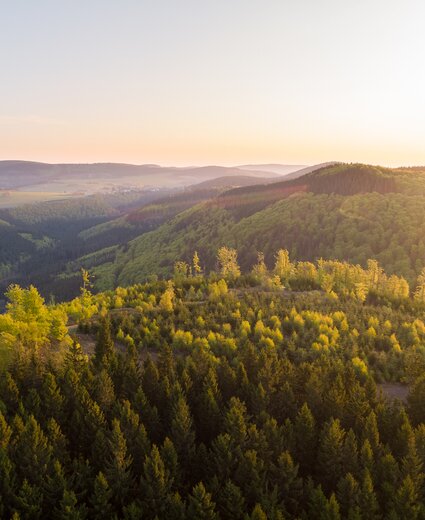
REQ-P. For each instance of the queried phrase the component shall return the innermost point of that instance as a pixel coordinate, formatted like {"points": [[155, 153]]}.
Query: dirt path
{"points": [[394, 391]]}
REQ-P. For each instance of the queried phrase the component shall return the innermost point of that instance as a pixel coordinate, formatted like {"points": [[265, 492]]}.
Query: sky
{"points": [[227, 82]]}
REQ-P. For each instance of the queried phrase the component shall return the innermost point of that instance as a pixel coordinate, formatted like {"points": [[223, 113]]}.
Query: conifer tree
{"points": [[329, 458], [75, 359], [235, 421], [406, 500], [55, 486], [68, 508], [182, 433], [201, 506], [5, 432], [7, 483], [33, 453], [117, 469], [104, 348], [231, 502], [258, 513], [29, 500], [155, 484], [368, 502], [348, 493], [101, 499], [305, 437]]}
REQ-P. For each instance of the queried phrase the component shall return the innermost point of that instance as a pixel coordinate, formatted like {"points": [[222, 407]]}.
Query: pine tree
{"points": [[369, 507], [148, 415], [75, 358], [208, 409], [101, 499], [171, 462], [350, 454], [135, 434], [329, 458], [9, 392], [406, 500], [348, 493], [55, 486], [105, 348], [305, 438], [33, 453], [182, 433], [224, 456], [175, 508], [319, 507], [5, 432], [200, 506], [7, 483], [235, 422], [371, 432], [117, 469], [155, 485], [68, 508], [103, 391], [29, 500], [258, 513], [289, 484], [231, 503], [416, 401], [51, 397]]}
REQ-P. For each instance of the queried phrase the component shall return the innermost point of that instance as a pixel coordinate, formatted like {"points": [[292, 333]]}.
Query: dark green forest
{"points": [[238, 395]]}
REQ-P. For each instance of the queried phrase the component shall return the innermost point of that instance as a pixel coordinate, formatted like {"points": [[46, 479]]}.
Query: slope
{"points": [[348, 212]]}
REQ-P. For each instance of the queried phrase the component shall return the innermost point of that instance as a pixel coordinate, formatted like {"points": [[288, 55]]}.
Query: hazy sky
{"points": [[213, 81]]}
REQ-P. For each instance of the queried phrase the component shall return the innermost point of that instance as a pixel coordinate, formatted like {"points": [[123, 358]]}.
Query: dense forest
{"points": [[241, 394], [38, 240]]}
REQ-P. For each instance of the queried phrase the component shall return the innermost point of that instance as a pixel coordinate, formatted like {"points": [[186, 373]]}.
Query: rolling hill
{"points": [[327, 213], [345, 211], [91, 178]]}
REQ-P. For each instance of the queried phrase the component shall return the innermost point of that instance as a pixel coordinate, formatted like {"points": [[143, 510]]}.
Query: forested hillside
{"points": [[37, 240], [233, 396], [346, 211]]}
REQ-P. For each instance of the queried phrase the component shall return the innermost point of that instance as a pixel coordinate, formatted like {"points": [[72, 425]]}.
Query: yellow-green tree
{"points": [[228, 261], [283, 266], [196, 263], [166, 301]]}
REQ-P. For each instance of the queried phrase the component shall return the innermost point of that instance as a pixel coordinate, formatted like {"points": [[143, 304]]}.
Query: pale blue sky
{"points": [[224, 81]]}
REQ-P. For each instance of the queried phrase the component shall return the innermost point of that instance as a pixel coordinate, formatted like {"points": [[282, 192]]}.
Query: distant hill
{"points": [[233, 182], [308, 169], [98, 176], [279, 169]]}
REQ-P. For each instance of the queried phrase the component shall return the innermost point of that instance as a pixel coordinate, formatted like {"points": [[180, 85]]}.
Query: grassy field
{"points": [[11, 198]]}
